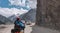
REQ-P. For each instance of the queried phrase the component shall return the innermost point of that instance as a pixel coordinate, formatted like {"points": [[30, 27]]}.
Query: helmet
{"points": [[18, 18]]}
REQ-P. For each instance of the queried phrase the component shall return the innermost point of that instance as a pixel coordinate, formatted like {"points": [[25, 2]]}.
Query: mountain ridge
{"points": [[4, 20]]}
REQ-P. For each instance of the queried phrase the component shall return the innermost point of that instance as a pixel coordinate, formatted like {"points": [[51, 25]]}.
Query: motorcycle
{"points": [[17, 29]]}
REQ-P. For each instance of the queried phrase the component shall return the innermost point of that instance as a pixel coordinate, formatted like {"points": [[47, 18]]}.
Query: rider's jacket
{"points": [[20, 24]]}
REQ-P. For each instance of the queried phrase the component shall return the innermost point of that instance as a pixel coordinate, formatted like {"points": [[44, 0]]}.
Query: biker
{"points": [[19, 24]]}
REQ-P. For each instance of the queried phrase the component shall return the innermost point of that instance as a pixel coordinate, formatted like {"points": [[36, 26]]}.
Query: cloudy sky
{"points": [[10, 7]]}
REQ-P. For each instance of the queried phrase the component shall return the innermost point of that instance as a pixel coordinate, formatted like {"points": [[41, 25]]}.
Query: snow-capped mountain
{"points": [[9, 12]]}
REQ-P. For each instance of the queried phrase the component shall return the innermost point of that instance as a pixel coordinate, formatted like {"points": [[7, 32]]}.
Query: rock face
{"points": [[30, 16], [48, 13]]}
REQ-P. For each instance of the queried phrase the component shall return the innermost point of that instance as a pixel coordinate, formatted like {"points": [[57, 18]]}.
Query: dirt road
{"points": [[28, 29], [8, 28]]}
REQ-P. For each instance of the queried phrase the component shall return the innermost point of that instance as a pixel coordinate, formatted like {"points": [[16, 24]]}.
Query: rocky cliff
{"points": [[48, 13]]}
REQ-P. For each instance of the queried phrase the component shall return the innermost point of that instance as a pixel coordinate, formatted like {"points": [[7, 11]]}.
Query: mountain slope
{"points": [[13, 17], [30, 16], [4, 20]]}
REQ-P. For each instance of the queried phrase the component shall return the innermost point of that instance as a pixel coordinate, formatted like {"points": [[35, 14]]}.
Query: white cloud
{"points": [[8, 12], [32, 3], [17, 2]]}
